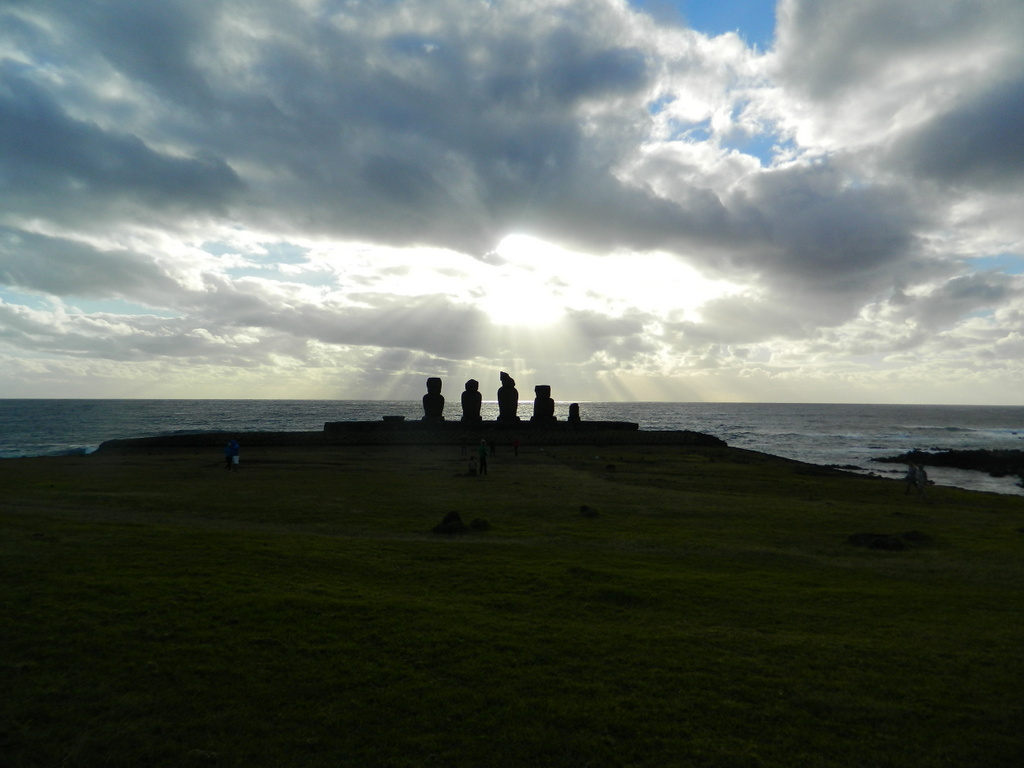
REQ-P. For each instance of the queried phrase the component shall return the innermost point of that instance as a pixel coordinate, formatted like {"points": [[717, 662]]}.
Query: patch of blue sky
{"points": [[267, 264], [284, 253], [1010, 263], [81, 305], [30, 300], [763, 146], [753, 20], [680, 130], [272, 254], [271, 272], [657, 106], [217, 248]]}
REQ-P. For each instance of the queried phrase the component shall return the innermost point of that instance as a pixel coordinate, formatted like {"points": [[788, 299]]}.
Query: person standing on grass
{"points": [[227, 456], [917, 478], [483, 451], [235, 450], [910, 478], [920, 480]]}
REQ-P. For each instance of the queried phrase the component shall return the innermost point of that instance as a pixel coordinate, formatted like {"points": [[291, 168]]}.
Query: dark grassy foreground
{"points": [[706, 610]]}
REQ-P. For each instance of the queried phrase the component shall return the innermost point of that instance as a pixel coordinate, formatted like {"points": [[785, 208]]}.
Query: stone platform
{"points": [[398, 432]]}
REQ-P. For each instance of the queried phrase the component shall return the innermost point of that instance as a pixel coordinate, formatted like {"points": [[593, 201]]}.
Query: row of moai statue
{"points": [[508, 402]]}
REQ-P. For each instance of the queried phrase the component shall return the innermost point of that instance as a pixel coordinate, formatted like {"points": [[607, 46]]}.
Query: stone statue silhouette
{"points": [[508, 399], [543, 405], [433, 401], [471, 401], [574, 413]]}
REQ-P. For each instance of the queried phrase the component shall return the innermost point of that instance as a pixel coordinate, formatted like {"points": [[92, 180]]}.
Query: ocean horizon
{"points": [[848, 435]]}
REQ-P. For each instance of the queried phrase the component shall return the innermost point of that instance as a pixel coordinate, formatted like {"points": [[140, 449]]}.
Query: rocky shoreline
{"points": [[1001, 463]]}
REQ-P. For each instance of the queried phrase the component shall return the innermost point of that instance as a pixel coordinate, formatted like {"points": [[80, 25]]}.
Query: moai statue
{"points": [[574, 413], [433, 402], [543, 405], [471, 401], [508, 399]]}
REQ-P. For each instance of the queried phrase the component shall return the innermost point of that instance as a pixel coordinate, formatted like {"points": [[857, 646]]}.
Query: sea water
{"points": [[846, 435]]}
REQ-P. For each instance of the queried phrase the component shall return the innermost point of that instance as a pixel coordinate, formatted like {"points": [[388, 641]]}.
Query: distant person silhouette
{"points": [[483, 451], [916, 478], [921, 480]]}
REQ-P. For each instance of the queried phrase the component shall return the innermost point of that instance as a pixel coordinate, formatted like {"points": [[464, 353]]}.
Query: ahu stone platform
{"points": [[395, 431]]}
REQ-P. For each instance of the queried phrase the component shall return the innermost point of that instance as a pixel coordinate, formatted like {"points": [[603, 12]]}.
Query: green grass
{"points": [[159, 611]]}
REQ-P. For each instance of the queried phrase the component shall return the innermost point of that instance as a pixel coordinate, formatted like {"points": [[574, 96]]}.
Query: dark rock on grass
{"points": [[892, 542], [917, 538], [588, 511], [452, 524]]}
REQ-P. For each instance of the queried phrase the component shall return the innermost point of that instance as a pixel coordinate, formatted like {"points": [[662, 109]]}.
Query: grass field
{"points": [[625, 606]]}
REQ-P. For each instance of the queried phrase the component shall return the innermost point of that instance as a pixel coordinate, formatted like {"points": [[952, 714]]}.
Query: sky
{"points": [[808, 201]]}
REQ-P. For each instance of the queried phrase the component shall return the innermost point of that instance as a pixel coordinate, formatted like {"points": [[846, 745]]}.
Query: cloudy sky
{"points": [[814, 200]]}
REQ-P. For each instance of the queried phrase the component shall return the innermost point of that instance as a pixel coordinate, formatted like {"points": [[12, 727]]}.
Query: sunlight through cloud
{"points": [[556, 278]]}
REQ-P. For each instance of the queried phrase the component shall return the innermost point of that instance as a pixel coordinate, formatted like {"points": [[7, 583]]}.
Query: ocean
{"points": [[845, 435]]}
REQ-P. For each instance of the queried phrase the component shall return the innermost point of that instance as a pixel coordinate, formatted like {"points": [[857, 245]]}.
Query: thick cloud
{"points": [[831, 48], [50, 161], [66, 268], [329, 186], [160, 45], [429, 123], [979, 143], [861, 75]]}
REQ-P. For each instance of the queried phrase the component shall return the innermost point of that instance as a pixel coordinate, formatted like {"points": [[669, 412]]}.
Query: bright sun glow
{"points": [[539, 282], [532, 284], [526, 290], [522, 300]]}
